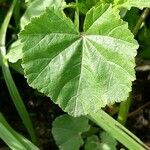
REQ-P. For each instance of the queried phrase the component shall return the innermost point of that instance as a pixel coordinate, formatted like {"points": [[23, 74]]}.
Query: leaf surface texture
{"points": [[81, 72], [67, 131]]}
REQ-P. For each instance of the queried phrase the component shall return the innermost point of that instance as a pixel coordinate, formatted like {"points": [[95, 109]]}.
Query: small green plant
{"points": [[106, 142], [67, 131], [68, 134], [82, 55]]}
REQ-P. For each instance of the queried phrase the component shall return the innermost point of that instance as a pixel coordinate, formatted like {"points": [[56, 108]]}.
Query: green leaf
{"points": [[132, 3], [15, 52], [67, 131], [92, 143], [85, 5], [81, 72], [106, 143], [37, 7]]}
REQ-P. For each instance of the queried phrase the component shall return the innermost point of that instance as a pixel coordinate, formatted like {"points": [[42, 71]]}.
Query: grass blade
{"points": [[18, 102], [13, 139], [117, 130]]}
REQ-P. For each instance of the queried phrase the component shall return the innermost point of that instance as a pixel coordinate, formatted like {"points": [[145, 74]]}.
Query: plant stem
{"points": [[18, 102], [123, 110], [117, 130], [125, 105], [77, 14], [140, 21], [77, 8], [5, 25]]}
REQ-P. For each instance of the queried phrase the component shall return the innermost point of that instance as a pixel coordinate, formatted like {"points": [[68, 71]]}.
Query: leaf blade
{"points": [[67, 131], [78, 70], [132, 3], [37, 7]]}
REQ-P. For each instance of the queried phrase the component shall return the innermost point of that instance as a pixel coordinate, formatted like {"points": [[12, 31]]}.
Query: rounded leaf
{"points": [[81, 72]]}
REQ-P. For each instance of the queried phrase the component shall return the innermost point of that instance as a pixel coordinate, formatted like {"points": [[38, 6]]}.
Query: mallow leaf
{"points": [[81, 72], [37, 7], [132, 3], [15, 52], [106, 142], [67, 131], [92, 143]]}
